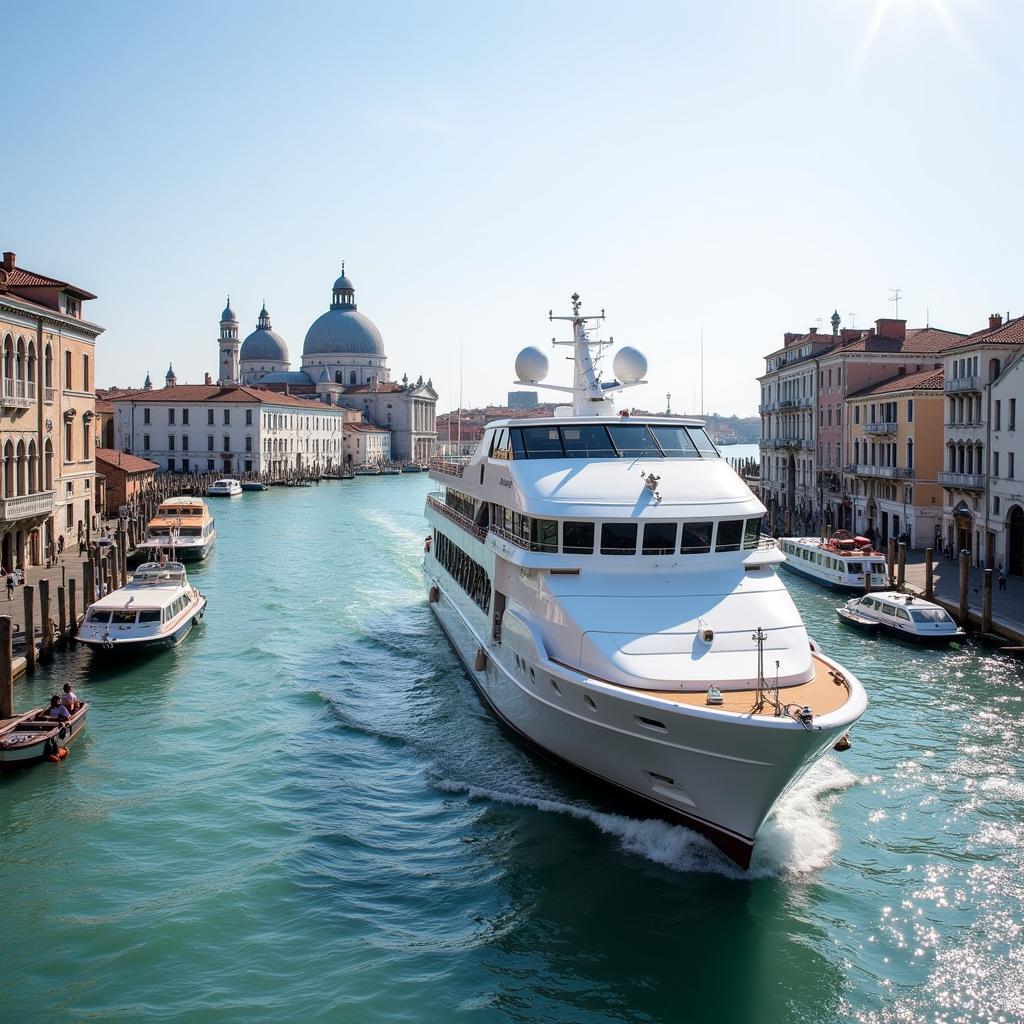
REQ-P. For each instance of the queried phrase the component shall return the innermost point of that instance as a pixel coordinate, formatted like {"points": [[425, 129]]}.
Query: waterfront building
{"points": [[523, 400], [895, 460], [344, 362], [366, 444], [1006, 487], [977, 451], [46, 419], [122, 478], [228, 429]]}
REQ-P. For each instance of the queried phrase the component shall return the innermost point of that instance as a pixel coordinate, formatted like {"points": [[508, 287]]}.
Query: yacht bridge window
{"points": [[602, 441]]}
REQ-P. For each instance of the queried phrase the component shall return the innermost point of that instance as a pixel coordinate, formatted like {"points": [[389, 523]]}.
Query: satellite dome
{"points": [[629, 365], [531, 365]]}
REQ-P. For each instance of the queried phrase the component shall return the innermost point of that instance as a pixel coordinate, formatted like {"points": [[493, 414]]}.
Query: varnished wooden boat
{"points": [[29, 739]]}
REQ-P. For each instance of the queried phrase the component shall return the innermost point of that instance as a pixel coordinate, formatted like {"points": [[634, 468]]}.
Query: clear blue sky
{"points": [[745, 166]]}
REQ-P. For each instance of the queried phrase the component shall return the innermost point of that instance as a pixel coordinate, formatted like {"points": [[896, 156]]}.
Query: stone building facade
{"points": [[46, 419]]}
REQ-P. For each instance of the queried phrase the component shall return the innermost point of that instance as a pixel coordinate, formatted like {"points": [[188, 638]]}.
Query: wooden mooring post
{"points": [[965, 570], [72, 607], [88, 583], [46, 641], [890, 560], [6, 668], [901, 566], [929, 582], [986, 602], [29, 596], [62, 614]]}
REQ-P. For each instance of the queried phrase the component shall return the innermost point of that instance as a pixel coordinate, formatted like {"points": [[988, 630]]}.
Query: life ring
{"points": [[480, 662], [433, 595]]}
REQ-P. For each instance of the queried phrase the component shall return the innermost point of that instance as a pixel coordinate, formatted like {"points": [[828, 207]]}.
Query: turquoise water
{"points": [[303, 814]]}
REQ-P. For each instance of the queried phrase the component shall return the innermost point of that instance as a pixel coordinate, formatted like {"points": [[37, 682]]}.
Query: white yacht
{"points": [[182, 528], [839, 562], [156, 610], [903, 615], [227, 487], [605, 583]]}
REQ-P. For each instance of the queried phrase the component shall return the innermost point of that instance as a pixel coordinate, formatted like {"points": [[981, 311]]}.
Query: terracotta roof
{"points": [[185, 393], [122, 460], [102, 405], [366, 428], [923, 380], [17, 277], [918, 340], [1009, 333]]}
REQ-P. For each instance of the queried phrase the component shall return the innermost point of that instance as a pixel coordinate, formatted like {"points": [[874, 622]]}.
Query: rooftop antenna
{"points": [[927, 316], [459, 441], [894, 296], [853, 320], [668, 404]]}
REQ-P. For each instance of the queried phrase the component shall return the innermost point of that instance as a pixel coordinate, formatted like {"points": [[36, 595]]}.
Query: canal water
{"points": [[303, 814]]}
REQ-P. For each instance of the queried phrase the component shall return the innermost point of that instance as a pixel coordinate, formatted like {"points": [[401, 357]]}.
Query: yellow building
{"points": [[47, 408], [894, 437]]}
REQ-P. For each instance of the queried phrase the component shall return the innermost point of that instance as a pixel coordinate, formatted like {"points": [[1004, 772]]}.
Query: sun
{"points": [[938, 8]]}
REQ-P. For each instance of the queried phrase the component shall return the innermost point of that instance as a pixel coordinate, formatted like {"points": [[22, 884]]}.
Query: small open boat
{"points": [[29, 738]]}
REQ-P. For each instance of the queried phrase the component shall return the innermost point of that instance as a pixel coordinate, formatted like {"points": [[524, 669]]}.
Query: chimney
{"points": [[207, 379], [812, 330], [9, 261], [891, 329], [994, 320]]}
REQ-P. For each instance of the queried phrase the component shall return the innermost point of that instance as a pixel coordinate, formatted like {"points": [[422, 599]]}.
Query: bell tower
{"points": [[229, 344]]}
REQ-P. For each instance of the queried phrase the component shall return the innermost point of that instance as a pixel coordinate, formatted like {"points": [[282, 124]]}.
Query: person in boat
{"points": [[69, 700], [56, 712]]}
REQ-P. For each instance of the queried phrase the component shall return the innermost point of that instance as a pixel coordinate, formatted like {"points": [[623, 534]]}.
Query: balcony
{"points": [[436, 502], [963, 481], [18, 394], [962, 384], [886, 427], [25, 506], [786, 442], [883, 472], [790, 404]]}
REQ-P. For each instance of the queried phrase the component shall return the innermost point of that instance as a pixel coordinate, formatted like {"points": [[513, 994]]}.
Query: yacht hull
{"points": [[718, 774]]}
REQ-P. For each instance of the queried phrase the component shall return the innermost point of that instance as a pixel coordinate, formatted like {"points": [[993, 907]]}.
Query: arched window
{"points": [[20, 470], [8, 360], [856, 450], [48, 466], [85, 373], [19, 361], [48, 368], [910, 453], [352, 377], [67, 441], [33, 468], [67, 370], [9, 470], [31, 373]]}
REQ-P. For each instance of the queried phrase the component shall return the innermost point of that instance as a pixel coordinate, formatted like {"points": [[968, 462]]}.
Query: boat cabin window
{"points": [[150, 615], [696, 538], [618, 538], [901, 613], [501, 449], [544, 535], [730, 535], [544, 443], [704, 443], [751, 534], [659, 538], [587, 442], [123, 618], [634, 441], [929, 615], [855, 567], [95, 615], [518, 448], [577, 538], [675, 442], [460, 502]]}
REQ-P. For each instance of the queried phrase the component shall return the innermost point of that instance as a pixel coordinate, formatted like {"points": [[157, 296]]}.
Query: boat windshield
{"points": [[613, 440], [929, 615]]}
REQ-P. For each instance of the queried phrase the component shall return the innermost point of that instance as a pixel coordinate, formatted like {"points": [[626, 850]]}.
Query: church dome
{"points": [[264, 343], [229, 313], [343, 330]]}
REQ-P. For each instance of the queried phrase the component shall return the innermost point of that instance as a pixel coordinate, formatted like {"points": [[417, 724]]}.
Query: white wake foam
{"points": [[798, 838]]}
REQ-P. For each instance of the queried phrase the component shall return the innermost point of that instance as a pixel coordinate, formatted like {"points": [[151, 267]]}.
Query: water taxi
{"points": [[839, 562], [227, 487], [33, 736], [603, 579], [156, 610], [903, 615], [182, 528]]}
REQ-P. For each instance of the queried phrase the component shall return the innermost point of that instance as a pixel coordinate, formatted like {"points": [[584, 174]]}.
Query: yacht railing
{"points": [[459, 518], [766, 542], [504, 534], [453, 465]]}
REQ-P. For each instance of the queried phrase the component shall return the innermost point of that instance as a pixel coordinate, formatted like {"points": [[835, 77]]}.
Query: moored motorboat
{"points": [[253, 485], [839, 561], [903, 615], [603, 580], [370, 469], [226, 487], [182, 528], [33, 736], [412, 467], [155, 611]]}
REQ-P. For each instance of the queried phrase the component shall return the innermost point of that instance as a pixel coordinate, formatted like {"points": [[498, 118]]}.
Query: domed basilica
{"points": [[343, 362]]}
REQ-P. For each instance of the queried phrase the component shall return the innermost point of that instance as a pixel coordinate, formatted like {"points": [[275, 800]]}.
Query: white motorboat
{"points": [[227, 487], [903, 615], [156, 610], [182, 529], [839, 562], [605, 583]]}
